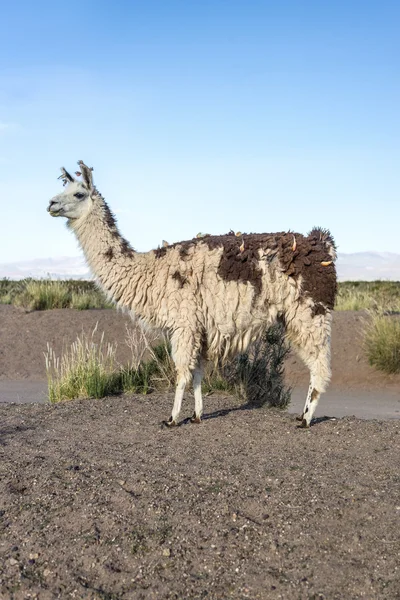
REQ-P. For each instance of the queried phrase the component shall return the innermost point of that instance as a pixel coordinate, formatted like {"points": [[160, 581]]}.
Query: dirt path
{"points": [[98, 501]]}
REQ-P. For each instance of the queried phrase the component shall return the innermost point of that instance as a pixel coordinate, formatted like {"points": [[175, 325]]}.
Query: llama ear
{"points": [[86, 174], [65, 176]]}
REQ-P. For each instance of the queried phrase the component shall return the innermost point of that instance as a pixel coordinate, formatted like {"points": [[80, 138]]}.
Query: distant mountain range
{"points": [[368, 266], [63, 267], [359, 266]]}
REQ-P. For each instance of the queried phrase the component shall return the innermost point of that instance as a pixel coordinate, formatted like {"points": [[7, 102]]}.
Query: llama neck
{"points": [[108, 254]]}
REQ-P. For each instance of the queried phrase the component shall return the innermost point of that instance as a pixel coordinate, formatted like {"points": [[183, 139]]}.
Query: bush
{"points": [[9, 289], [46, 294], [257, 375], [382, 342]]}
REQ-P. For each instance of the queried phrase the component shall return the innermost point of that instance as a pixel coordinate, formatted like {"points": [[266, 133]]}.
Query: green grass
{"points": [[361, 295], [382, 342], [46, 294], [85, 370], [89, 369]]}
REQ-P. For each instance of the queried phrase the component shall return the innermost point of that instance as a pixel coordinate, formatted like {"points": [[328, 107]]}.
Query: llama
{"points": [[213, 294]]}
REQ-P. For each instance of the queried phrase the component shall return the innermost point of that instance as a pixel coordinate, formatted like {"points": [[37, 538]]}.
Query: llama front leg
{"points": [[176, 409], [185, 352]]}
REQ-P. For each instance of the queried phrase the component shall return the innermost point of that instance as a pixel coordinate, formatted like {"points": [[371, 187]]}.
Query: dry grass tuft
{"points": [[382, 342], [87, 369], [46, 294], [368, 295]]}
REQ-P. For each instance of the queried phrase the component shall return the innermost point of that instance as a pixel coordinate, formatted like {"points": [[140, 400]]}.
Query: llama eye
{"points": [[79, 195]]}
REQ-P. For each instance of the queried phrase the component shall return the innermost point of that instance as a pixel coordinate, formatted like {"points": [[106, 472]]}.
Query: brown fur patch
{"points": [[179, 278], [160, 252], [240, 260], [126, 248], [314, 395], [318, 309], [111, 223], [109, 254], [110, 220]]}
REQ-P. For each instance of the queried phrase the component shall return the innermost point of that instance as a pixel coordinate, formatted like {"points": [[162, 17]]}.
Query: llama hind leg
{"points": [[198, 398], [320, 374], [314, 349], [310, 405]]}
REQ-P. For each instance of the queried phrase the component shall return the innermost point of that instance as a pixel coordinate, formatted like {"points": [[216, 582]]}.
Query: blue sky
{"points": [[202, 116]]}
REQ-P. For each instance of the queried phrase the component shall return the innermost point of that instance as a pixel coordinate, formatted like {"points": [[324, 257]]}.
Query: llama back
{"points": [[233, 286], [257, 260]]}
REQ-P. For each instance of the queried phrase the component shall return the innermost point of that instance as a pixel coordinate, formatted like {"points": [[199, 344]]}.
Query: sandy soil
{"points": [[98, 500]]}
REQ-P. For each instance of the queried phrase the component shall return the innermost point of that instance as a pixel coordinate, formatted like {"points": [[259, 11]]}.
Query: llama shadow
{"points": [[223, 412], [318, 420], [226, 411]]}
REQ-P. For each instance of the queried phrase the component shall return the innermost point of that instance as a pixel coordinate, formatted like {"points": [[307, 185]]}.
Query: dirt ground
{"points": [[98, 500]]}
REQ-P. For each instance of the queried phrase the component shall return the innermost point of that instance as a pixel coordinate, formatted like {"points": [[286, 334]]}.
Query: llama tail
{"points": [[325, 236]]}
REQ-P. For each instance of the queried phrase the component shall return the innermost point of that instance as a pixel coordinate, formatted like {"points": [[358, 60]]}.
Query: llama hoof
{"points": [[171, 422], [304, 424], [195, 419]]}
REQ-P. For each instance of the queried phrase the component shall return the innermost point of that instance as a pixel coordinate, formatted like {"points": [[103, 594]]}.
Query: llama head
{"points": [[78, 197]]}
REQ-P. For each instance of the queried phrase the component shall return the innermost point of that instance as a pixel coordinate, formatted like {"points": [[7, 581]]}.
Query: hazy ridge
{"points": [[358, 266]]}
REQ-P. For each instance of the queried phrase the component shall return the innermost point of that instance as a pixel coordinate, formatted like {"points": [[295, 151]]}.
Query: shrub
{"points": [[9, 289], [42, 294], [382, 342], [257, 375]]}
